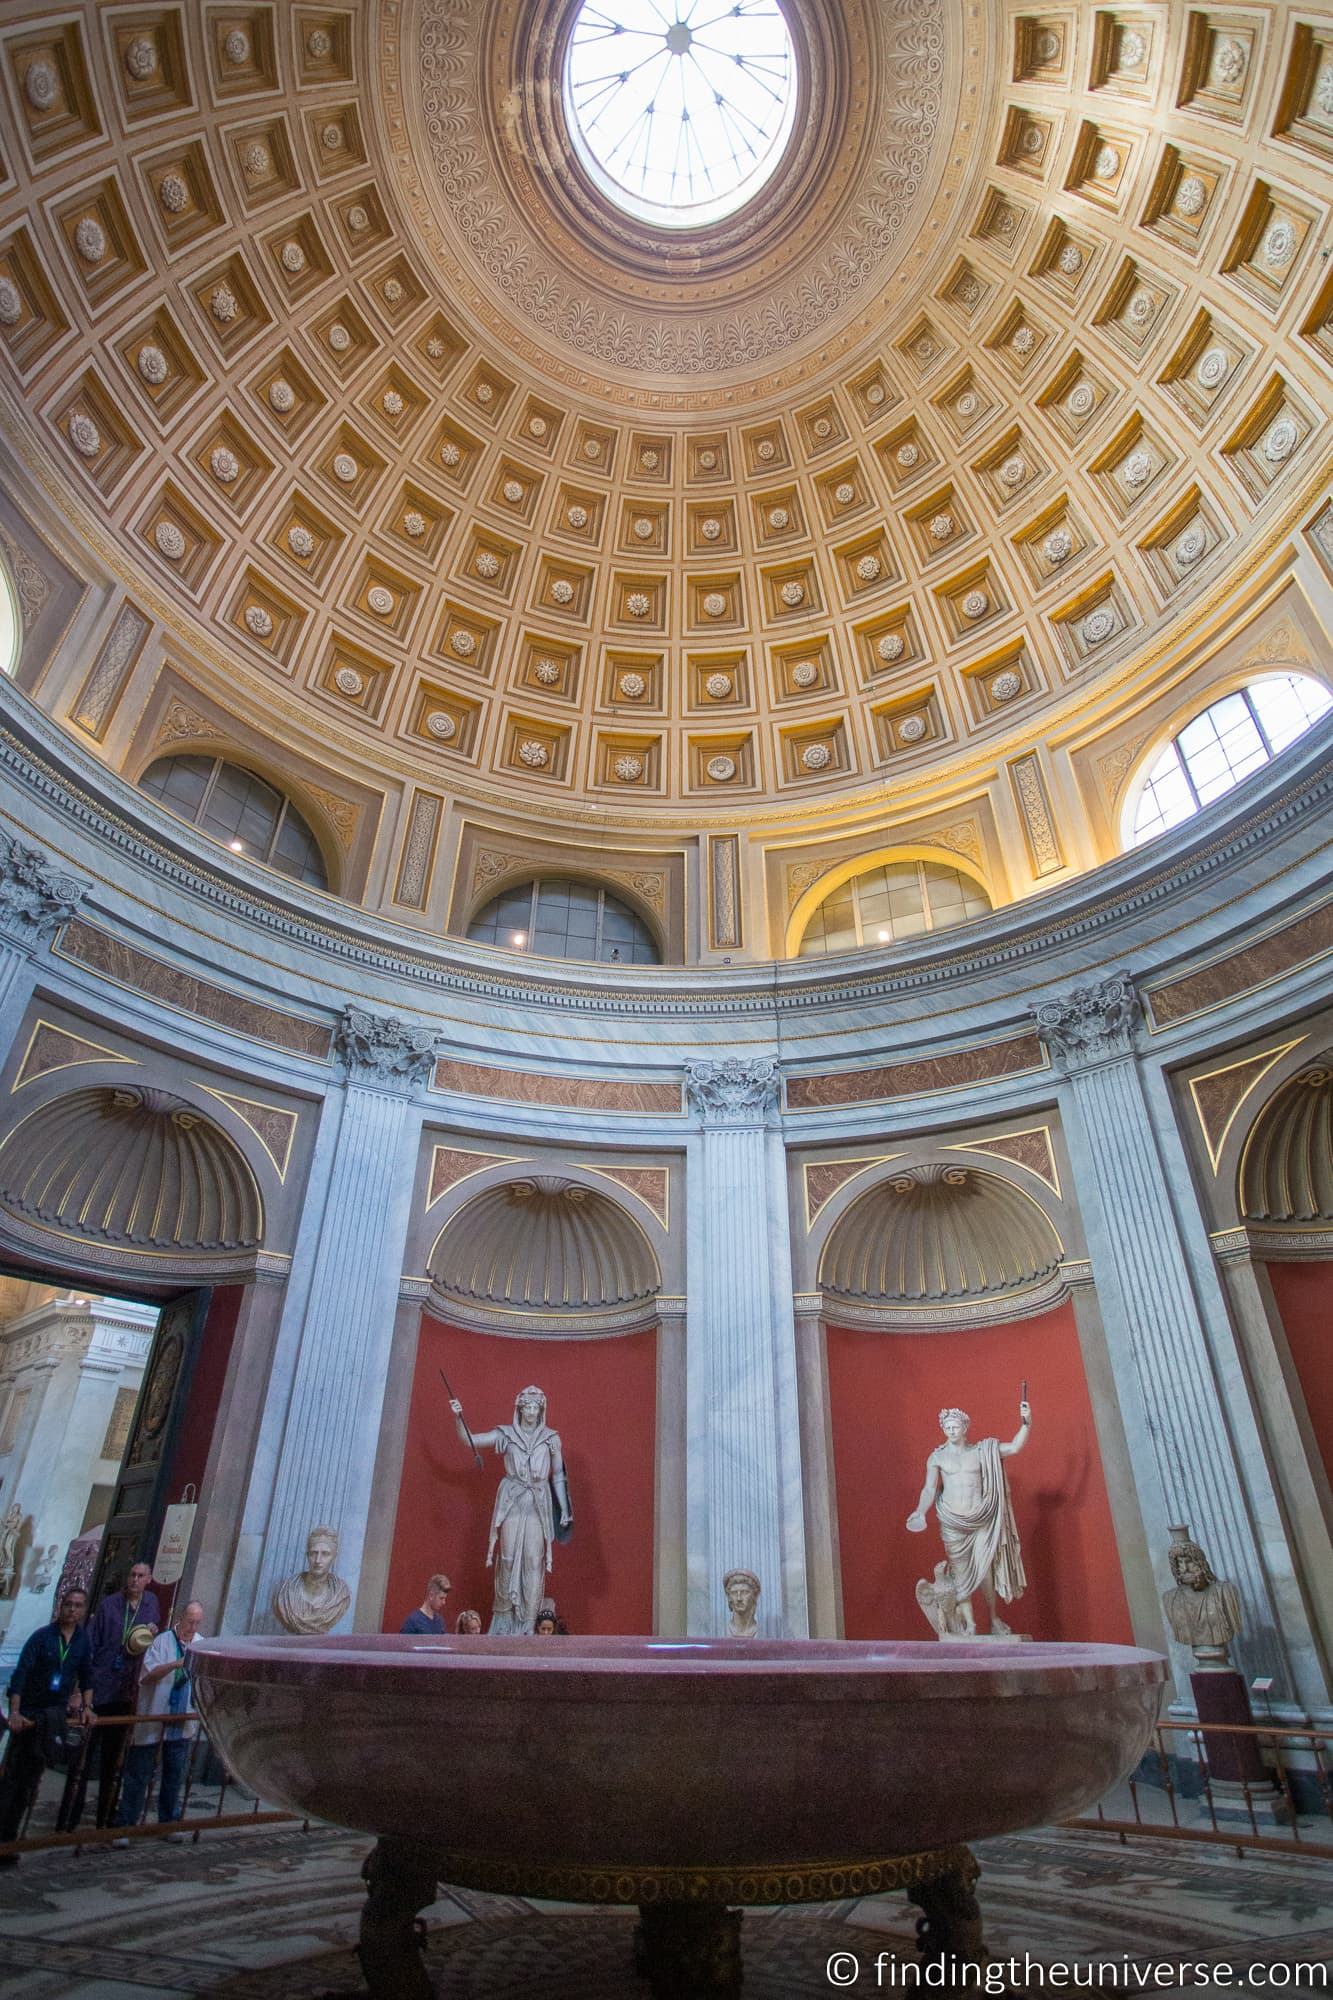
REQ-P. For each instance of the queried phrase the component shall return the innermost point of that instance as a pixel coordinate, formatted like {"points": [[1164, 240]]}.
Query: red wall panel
{"points": [[1304, 1294], [189, 1458], [601, 1395], [886, 1391]]}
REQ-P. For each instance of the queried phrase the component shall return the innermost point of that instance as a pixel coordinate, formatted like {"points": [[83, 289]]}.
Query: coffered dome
{"points": [[439, 484]]}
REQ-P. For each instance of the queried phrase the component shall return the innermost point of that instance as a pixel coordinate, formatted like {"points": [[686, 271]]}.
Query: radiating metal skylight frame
{"points": [[680, 110]]}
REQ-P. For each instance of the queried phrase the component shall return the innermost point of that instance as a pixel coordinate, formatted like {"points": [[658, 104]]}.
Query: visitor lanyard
{"points": [[64, 1646], [130, 1610]]}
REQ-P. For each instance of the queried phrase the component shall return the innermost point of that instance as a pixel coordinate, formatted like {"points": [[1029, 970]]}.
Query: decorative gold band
{"points": [[809, 1882]]}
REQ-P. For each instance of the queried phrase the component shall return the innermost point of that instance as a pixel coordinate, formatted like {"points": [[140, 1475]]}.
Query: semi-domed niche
{"points": [[132, 1167], [1286, 1170], [938, 1232], [545, 1245]]}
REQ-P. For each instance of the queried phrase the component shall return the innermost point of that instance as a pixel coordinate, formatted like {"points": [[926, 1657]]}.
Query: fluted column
{"points": [[743, 1477], [1172, 1363], [326, 1455], [35, 899]]}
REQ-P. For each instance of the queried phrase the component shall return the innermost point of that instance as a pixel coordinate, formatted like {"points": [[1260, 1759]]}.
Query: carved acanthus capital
{"points": [[733, 1091], [380, 1049], [1091, 1023], [35, 898]]}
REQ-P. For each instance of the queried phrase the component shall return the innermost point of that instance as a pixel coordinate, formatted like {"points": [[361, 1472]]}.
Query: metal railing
{"points": [[1285, 1804], [206, 1804]]}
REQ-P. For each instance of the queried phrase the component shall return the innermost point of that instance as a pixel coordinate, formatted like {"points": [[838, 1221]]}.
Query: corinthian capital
{"points": [[380, 1049], [1091, 1022], [732, 1091], [35, 899]]}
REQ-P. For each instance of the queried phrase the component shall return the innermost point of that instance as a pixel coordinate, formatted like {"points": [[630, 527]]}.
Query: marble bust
{"points": [[741, 1588], [1202, 1610], [314, 1600]]}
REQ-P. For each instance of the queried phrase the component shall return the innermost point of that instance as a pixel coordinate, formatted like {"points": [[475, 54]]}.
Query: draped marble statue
{"points": [[523, 1523], [967, 1484]]}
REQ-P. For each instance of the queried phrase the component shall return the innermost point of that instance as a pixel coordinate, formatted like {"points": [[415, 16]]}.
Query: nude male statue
{"points": [[966, 1483]]}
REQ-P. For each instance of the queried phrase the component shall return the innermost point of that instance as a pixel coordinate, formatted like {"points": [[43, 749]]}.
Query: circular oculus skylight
{"points": [[680, 110]]}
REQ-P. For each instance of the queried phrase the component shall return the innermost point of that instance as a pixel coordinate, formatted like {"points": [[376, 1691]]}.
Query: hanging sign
{"points": [[172, 1549]]}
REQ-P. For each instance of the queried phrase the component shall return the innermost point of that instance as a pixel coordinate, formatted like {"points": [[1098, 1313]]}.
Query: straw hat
{"points": [[139, 1638]]}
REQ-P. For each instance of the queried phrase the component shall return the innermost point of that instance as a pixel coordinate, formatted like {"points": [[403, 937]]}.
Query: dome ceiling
{"points": [[431, 462]]}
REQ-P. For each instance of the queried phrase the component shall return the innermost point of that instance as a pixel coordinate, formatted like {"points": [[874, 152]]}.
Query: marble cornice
{"points": [[43, 765]]}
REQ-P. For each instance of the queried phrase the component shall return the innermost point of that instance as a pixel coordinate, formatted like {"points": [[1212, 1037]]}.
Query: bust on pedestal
{"points": [[1204, 1614], [315, 1599]]}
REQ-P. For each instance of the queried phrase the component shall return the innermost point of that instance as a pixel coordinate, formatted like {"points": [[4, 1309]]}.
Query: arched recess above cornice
{"points": [[265, 762], [544, 1252], [860, 864], [617, 882], [129, 1178], [940, 1243]]}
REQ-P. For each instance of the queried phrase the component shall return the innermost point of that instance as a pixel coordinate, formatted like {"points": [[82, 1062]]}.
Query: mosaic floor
{"points": [[259, 1915]]}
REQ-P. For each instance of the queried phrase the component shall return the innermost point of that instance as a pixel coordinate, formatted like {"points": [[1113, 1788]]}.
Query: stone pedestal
{"points": [[1240, 1782]]}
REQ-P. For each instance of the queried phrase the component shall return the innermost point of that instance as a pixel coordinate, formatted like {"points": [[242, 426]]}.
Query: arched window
{"points": [[559, 917], [241, 810], [1229, 740], [11, 630], [899, 899]]}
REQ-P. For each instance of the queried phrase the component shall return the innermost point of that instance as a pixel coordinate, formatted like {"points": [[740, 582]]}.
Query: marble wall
{"points": [[1068, 1043]]}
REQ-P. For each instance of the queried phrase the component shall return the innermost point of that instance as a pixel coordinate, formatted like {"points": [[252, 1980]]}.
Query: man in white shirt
{"points": [[164, 1689]]}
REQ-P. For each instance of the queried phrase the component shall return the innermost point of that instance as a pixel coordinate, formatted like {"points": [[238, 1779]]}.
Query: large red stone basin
{"points": [[662, 1753]]}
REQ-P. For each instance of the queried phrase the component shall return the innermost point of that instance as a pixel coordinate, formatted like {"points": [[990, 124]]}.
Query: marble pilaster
{"points": [[1161, 1350], [35, 900], [326, 1458], [743, 1476], [1294, 1452], [823, 1564]]}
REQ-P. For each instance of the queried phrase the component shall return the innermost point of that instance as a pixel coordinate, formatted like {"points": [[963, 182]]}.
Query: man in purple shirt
{"points": [[115, 1683]]}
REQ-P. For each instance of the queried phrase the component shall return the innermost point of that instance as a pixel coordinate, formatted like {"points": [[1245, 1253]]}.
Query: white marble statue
{"points": [[1202, 1610], [11, 1527], [314, 1600], [522, 1520], [938, 1598], [741, 1588], [967, 1484]]}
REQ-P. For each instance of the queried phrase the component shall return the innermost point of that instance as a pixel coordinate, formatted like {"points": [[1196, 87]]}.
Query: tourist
{"points": [[115, 1680], [53, 1676], [164, 1689], [545, 1628], [429, 1614], [469, 1624]]}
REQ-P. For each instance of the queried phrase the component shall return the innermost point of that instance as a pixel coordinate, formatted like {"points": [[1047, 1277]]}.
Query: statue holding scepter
{"points": [[967, 1484], [523, 1526]]}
